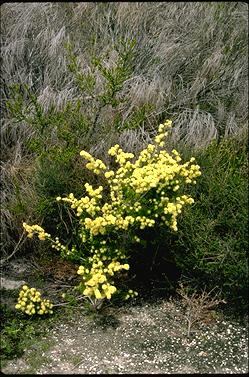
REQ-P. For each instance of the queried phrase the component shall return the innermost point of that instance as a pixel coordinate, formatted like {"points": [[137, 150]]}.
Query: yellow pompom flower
{"points": [[27, 299], [139, 193]]}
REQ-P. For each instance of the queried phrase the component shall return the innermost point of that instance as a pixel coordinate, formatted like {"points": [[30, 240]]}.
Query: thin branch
{"points": [[2, 261]]}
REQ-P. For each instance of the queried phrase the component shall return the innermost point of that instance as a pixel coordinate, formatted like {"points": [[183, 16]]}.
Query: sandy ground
{"points": [[142, 339]]}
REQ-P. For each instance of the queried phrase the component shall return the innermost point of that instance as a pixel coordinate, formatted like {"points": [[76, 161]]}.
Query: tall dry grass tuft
{"points": [[190, 64]]}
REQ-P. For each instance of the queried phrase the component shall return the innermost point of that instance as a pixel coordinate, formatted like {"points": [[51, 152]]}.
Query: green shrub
{"points": [[18, 331], [140, 193], [200, 80], [212, 243]]}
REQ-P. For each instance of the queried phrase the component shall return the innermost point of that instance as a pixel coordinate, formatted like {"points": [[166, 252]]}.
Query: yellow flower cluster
{"points": [[36, 229], [96, 165], [42, 235], [142, 192], [87, 203], [121, 157], [97, 280], [162, 133], [154, 169], [30, 302]]}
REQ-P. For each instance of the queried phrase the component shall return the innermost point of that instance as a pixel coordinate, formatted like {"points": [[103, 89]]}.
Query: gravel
{"points": [[138, 339]]}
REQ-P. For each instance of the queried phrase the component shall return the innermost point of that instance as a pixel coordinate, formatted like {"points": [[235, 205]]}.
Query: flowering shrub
{"points": [[31, 302], [141, 193]]}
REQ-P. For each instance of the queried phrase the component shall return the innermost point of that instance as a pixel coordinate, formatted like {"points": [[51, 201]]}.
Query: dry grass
{"points": [[191, 63], [189, 57]]}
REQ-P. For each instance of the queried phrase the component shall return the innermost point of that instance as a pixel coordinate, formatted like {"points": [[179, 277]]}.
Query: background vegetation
{"points": [[88, 75]]}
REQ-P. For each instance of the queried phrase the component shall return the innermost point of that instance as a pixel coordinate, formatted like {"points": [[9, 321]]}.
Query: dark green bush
{"points": [[211, 246]]}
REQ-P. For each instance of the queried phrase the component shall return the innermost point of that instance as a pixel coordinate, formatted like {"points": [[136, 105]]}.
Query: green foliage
{"points": [[19, 207], [85, 81], [212, 238], [24, 106], [142, 193], [212, 243], [138, 117], [58, 134], [54, 170], [16, 333], [114, 75], [52, 127]]}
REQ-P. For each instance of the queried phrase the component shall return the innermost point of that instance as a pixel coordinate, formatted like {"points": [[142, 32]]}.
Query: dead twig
{"points": [[197, 306], [2, 261]]}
